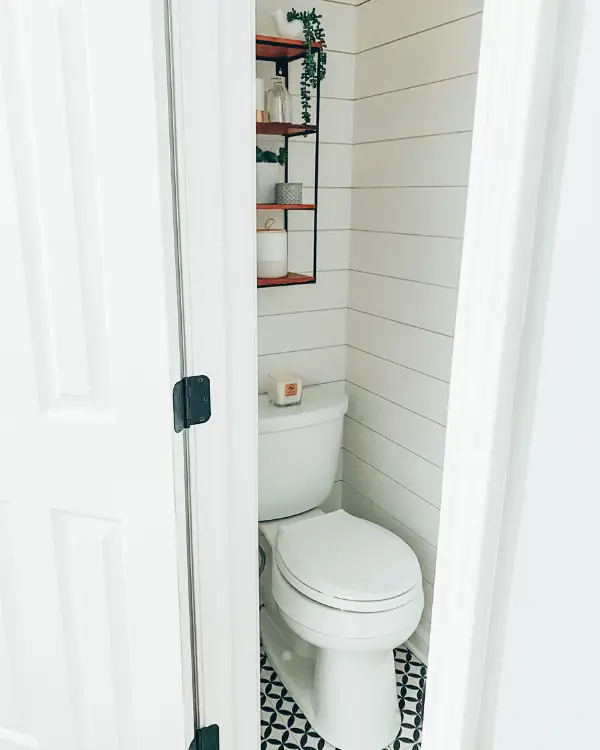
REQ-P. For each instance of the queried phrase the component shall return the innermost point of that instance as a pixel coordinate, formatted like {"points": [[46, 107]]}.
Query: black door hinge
{"points": [[206, 738], [191, 401]]}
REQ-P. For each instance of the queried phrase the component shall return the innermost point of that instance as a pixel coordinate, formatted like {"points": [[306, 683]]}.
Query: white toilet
{"points": [[338, 593]]}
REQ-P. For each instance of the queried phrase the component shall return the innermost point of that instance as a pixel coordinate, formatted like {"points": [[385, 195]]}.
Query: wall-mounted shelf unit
{"points": [[282, 52]]}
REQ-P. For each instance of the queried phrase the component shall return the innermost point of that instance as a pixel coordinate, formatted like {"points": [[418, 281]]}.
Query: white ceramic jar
{"points": [[271, 252]]}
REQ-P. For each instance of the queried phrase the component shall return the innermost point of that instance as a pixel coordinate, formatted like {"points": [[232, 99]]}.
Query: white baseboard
{"points": [[418, 643]]}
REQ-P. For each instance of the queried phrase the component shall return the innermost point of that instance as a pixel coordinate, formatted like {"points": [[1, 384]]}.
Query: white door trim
{"points": [[515, 73], [214, 50]]}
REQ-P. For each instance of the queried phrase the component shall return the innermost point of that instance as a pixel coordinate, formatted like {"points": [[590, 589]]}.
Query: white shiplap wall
{"points": [[414, 100]]}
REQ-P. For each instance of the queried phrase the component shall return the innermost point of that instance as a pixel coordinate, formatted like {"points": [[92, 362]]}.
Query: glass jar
{"points": [[279, 101]]}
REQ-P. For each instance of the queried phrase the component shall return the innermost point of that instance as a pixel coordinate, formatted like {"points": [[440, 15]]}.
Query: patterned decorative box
{"points": [[288, 192]]}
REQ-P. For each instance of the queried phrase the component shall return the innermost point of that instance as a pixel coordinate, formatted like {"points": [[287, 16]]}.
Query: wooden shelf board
{"points": [[290, 279], [285, 206], [284, 128], [279, 48]]}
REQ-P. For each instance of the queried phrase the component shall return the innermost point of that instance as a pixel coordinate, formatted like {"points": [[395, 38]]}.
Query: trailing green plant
{"points": [[314, 64], [269, 157]]}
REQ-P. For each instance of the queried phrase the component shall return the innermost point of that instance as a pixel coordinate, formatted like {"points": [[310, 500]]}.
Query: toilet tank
{"points": [[298, 451]]}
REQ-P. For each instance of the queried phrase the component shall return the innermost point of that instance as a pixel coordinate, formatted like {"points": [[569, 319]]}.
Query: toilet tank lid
{"points": [[320, 403]]}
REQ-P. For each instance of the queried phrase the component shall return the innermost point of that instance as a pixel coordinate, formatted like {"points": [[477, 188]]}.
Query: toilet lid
{"points": [[347, 558]]}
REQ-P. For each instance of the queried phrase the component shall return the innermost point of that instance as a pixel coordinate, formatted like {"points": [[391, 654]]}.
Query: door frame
{"points": [[212, 51], [515, 74]]}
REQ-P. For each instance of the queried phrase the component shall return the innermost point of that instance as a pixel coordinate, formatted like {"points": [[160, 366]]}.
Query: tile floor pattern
{"points": [[283, 725]]}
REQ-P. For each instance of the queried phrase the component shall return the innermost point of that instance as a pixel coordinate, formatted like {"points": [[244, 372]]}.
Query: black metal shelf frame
{"points": [[282, 69]]}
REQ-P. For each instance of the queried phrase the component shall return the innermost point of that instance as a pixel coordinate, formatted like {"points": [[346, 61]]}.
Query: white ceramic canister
{"points": [[271, 252]]}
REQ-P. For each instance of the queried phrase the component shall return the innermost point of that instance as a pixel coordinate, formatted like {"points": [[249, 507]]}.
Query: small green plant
{"points": [[269, 157], [312, 71]]}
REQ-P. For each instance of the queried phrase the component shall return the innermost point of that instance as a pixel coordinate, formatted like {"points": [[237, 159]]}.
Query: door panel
{"points": [[90, 642]]}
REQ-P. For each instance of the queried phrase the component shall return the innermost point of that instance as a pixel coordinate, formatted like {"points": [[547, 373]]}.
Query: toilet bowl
{"points": [[353, 591], [338, 593]]}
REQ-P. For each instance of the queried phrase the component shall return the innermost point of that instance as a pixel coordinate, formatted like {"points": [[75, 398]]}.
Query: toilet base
{"points": [[349, 697]]}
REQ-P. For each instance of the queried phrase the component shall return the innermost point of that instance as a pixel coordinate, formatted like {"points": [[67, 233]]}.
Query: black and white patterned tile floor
{"points": [[283, 725]]}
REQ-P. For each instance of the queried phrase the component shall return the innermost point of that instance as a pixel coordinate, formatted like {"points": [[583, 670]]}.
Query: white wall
{"points": [[414, 101], [541, 679]]}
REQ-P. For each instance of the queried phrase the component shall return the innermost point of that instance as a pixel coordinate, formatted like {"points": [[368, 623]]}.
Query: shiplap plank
{"points": [[412, 347], [412, 390], [410, 302], [408, 469], [411, 510], [384, 21], [299, 331], [444, 107], [435, 161], [418, 434], [433, 260], [443, 52], [438, 211]]}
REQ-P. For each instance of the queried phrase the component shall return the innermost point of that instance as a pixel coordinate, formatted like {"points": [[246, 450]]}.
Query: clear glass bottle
{"points": [[279, 101]]}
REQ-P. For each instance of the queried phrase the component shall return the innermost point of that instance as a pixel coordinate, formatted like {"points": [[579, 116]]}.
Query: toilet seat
{"points": [[347, 605], [348, 563]]}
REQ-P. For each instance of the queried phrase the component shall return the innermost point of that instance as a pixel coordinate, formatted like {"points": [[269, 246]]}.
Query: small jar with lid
{"points": [[271, 252]]}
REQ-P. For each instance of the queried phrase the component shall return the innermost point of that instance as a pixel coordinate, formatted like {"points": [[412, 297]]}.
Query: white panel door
{"points": [[90, 643]]}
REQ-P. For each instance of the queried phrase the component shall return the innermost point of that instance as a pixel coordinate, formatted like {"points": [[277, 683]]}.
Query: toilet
{"points": [[338, 593]]}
